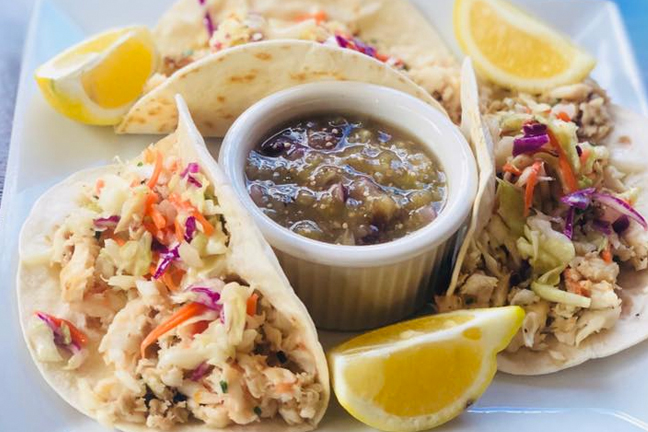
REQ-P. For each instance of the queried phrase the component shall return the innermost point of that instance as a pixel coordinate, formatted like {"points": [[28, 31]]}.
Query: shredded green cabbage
{"points": [[565, 134], [553, 294], [545, 248], [511, 207]]}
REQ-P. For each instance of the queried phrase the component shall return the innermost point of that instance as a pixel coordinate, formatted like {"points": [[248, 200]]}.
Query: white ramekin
{"points": [[361, 287]]}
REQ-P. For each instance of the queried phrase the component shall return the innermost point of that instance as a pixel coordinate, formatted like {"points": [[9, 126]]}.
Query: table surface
{"points": [[14, 17]]}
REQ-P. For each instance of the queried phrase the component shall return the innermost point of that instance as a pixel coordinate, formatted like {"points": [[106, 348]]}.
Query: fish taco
{"points": [[150, 301], [369, 35], [565, 236]]}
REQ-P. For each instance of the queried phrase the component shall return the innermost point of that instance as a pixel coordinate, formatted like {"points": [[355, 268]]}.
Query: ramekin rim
{"points": [[450, 218]]}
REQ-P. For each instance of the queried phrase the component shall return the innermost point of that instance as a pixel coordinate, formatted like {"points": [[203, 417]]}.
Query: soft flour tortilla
{"points": [[482, 147], [249, 257], [628, 146], [220, 87], [395, 27]]}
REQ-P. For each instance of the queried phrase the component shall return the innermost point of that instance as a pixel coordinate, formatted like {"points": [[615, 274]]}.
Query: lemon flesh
{"points": [[97, 81], [516, 50], [418, 374]]}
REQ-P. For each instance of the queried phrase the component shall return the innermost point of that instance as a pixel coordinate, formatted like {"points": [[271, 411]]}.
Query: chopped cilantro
{"points": [[140, 163], [223, 385], [257, 410]]}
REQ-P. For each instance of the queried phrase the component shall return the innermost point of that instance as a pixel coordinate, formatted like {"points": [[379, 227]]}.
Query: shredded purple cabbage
{"points": [[165, 261], [569, 223], [158, 247], [190, 228], [106, 222], [621, 224], [202, 370], [47, 320], [192, 168], [207, 297], [621, 206], [534, 129], [341, 41], [364, 48], [579, 150], [602, 226], [580, 199], [209, 24], [529, 144], [191, 179], [535, 136], [59, 340], [356, 45]]}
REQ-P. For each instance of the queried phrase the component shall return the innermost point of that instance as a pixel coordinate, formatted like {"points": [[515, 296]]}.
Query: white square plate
{"points": [[603, 395]]}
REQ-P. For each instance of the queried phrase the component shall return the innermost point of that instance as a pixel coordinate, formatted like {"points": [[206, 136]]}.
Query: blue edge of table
{"points": [[635, 15]]}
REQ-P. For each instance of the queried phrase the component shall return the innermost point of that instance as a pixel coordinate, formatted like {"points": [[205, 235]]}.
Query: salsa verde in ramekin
{"points": [[345, 179]]}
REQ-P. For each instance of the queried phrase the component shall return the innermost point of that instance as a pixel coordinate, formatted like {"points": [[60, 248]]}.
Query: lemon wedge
{"points": [[97, 80], [418, 374], [516, 50]]}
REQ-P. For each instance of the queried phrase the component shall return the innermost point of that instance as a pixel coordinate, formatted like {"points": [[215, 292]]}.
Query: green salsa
{"points": [[345, 180]]}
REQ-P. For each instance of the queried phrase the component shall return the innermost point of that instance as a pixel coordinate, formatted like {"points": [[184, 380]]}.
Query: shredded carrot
{"points": [[531, 183], [148, 226], [77, 335], [510, 168], [606, 254], [151, 198], [251, 306], [179, 230], [152, 269], [584, 156], [183, 314], [158, 234], [562, 115], [319, 16], [150, 209], [99, 185], [156, 171], [173, 278], [167, 279], [120, 241], [199, 327], [158, 219], [564, 164], [208, 228]]}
